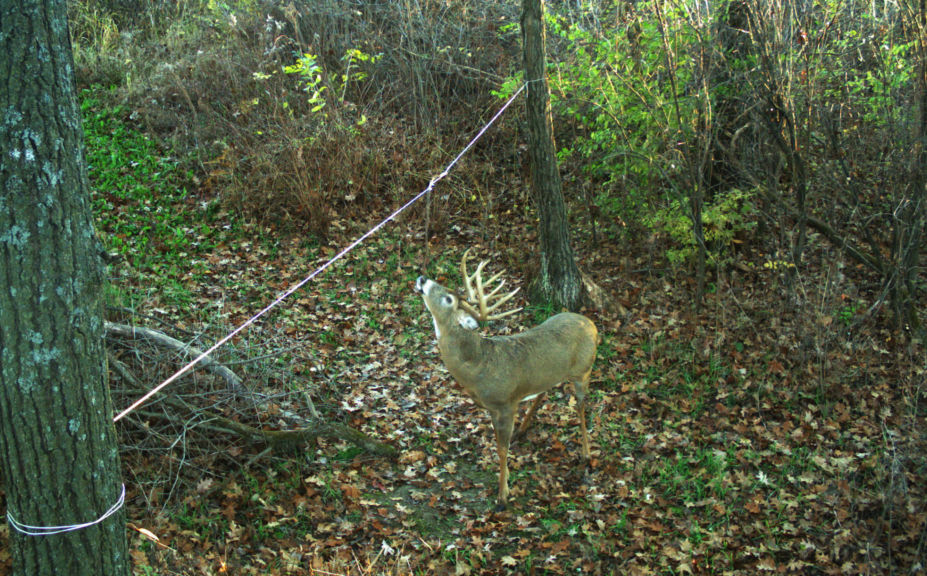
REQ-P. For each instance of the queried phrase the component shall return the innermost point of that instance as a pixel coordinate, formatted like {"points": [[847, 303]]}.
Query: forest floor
{"points": [[741, 439], [765, 432], [770, 431]]}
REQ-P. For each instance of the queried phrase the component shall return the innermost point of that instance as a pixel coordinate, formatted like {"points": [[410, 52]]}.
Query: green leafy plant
{"points": [[848, 312], [354, 60], [614, 86], [730, 214], [874, 91], [315, 81], [311, 79], [130, 174]]}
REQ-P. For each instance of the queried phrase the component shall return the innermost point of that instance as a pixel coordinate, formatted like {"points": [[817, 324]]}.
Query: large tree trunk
{"points": [[58, 447], [559, 280]]}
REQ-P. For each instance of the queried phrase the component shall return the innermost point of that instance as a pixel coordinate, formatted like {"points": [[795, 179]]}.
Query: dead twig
{"points": [[161, 339], [273, 439]]}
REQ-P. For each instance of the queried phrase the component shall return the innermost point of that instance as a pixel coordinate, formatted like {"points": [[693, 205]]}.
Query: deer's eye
{"points": [[447, 300]]}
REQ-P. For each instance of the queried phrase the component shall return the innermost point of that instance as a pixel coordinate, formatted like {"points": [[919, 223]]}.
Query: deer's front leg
{"points": [[579, 389], [582, 428], [503, 422]]}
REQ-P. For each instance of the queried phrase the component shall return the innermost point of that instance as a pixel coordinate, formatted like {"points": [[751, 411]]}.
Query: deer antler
{"points": [[478, 302]]}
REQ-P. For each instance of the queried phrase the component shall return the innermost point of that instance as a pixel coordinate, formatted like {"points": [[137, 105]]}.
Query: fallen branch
{"points": [[845, 245], [165, 341], [842, 243], [273, 439], [289, 439]]}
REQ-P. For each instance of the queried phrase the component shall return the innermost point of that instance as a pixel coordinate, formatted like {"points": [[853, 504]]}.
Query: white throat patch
{"points": [[468, 322]]}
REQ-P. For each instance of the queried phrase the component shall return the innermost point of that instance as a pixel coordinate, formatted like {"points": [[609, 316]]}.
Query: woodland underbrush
{"points": [[296, 115]]}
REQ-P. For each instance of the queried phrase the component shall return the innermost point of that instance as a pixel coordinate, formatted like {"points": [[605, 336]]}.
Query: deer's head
{"points": [[444, 307], [449, 310]]}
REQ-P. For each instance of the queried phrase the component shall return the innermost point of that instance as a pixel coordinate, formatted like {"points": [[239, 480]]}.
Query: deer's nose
{"points": [[420, 284]]}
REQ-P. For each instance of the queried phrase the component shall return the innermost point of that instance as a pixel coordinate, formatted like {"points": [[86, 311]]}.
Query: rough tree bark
{"points": [[58, 449], [559, 280]]}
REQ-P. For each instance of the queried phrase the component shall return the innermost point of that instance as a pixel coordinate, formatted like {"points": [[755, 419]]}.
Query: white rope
{"points": [[31, 530], [321, 268]]}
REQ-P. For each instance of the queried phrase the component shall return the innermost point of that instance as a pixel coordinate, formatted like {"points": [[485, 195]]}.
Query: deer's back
{"points": [[562, 348]]}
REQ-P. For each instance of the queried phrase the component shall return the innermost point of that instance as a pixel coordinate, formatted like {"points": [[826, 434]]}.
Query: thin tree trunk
{"points": [[559, 280], [58, 450], [919, 200], [910, 220]]}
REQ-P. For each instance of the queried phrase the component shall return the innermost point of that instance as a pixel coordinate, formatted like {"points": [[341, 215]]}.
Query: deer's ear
{"points": [[468, 321]]}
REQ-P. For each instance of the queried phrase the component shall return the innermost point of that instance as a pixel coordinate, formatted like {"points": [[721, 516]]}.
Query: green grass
{"points": [[130, 173], [205, 522], [141, 202]]}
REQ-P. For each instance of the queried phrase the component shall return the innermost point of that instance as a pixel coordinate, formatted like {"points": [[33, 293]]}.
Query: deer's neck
{"points": [[461, 349]]}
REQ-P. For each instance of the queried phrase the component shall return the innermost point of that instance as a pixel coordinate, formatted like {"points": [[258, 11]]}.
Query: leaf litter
{"points": [[718, 447]]}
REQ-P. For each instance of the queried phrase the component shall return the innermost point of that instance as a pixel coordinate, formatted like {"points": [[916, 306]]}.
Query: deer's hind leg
{"points": [[529, 416], [580, 388]]}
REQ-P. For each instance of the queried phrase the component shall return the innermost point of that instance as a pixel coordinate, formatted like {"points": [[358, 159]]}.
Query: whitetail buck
{"points": [[501, 371]]}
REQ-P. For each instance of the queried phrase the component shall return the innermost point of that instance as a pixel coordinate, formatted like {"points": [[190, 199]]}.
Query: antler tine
{"points": [[505, 314], [468, 286], [495, 290], [473, 294], [469, 309], [468, 280], [479, 306], [502, 300]]}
